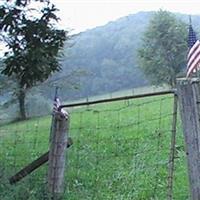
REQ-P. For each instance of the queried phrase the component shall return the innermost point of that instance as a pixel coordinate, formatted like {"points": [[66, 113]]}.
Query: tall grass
{"points": [[120, 151]]}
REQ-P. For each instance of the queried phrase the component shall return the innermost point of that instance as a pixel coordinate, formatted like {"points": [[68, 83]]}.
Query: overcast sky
{"points": [[84, 14], [80, 15]]}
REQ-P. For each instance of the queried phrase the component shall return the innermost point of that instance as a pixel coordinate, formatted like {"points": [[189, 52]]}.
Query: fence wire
{"points": [[120, 151]]}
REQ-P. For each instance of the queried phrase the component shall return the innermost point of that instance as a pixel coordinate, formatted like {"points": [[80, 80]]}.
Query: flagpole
{"points": [[190, 20]]}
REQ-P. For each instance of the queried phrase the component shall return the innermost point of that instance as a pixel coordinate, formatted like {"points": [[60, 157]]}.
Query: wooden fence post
{"points": [[189, 101], [57, 155]]}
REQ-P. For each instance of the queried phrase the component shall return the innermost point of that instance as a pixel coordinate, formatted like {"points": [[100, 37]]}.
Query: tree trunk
{"points": [[21, 99]]}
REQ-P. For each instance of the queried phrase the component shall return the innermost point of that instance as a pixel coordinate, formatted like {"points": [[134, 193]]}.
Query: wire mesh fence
{"points": [[21, 143], [120, 151]]}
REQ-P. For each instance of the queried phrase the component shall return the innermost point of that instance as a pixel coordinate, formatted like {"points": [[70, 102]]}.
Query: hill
{"points": [[107, 55], [99, 61]]}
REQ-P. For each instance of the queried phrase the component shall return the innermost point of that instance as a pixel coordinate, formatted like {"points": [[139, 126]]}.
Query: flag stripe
{"points": [[56, 105], [193, 49], [194, 66], [193, 58]]}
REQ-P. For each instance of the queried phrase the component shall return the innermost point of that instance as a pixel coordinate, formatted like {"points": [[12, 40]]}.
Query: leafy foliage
{"points": [[33, 43], [162, 55]]}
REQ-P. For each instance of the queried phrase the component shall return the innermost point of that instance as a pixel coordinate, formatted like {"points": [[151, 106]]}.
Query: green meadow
{"points": [[120, 152]]}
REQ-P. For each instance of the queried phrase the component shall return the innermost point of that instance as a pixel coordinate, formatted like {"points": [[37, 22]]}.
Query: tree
{"points": [[163, 52], [33, 44]]}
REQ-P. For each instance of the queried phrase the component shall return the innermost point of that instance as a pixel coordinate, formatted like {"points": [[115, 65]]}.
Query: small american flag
{"points": [[193, 58], [56, 105]]}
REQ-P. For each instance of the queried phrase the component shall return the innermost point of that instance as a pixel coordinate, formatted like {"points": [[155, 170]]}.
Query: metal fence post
{"points": [[172, 149], [189, 101]]}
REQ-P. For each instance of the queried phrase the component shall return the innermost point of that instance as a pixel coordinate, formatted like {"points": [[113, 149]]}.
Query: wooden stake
{"points": [[34, 165], [57, 155], [189, 101]]}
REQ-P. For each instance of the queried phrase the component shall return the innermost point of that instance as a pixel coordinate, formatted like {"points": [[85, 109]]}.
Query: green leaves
{"points": [[162, 55], [48, 13], [33, 43]]}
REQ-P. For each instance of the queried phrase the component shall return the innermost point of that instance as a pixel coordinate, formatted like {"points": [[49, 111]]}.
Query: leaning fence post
{"points": [[57, 155], [189, 100]]}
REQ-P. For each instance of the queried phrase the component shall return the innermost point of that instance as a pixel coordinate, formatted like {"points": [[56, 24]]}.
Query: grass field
{"points": [[120, 152]]}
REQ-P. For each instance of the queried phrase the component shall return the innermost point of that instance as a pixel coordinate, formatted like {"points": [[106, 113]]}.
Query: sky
{"points": [[80, 15]]}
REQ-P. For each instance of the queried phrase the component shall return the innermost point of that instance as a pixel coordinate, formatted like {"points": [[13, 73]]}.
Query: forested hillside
{"points": [[107, 55]]}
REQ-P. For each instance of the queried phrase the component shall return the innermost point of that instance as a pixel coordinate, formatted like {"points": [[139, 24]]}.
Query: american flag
{"points": [[56, 105], [193, 58]]}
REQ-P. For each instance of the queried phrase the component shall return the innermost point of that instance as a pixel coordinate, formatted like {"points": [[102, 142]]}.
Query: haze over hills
{"points": [[107, 55], [105, 58]]}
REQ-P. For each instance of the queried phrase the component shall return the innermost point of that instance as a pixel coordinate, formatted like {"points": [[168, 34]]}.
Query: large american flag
{"points": [[193, 58]]}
